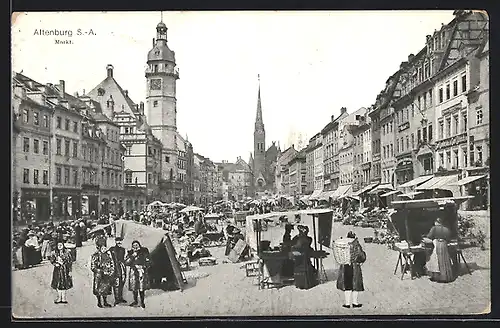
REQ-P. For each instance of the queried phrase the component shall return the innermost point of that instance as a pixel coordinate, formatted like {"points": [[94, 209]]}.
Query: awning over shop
{"points": [[365, 189], [306, 197], [341, 191], [467, 180], [381, 188], [416, 181], [325, 195], [438, 182], [392, 192], [315, 194], [411, 194]]}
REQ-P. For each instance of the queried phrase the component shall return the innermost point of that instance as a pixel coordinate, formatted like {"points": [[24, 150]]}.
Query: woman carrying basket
{"points": [[350, 278]]}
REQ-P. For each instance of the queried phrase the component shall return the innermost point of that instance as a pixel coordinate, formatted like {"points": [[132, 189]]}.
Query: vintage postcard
{"points": [[223, 164]]}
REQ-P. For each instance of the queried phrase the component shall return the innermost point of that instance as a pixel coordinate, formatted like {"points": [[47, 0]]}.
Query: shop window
{"points": [[26, 176]]}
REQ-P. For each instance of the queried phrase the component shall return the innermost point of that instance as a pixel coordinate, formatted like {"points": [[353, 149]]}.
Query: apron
{"points": [[433, 265]]}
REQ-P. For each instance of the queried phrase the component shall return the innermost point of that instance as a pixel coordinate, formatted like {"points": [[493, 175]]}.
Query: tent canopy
{"points": [[315, 194], [365, 189], [191, 209], [416, 181], [382, 188], [467, 180], [341, 191], [439, 182], [392, 192]]}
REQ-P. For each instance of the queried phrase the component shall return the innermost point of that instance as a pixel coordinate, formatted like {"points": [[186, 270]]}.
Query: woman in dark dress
{"points": [[138, 278], [440, 266], [350, 278], [103, 267], [61, 258], [305, 275], [78, 235]]}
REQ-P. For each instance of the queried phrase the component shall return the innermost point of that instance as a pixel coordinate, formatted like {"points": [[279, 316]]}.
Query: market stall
{"points": [[272, 259], [413, 220]]}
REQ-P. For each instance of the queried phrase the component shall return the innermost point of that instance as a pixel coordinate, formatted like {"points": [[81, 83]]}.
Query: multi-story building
{"points": [[237, 176], [281, 175], [318, 164], [361, 152], [309, 167], [75, 151], [297, 174], [31, 165], [346, 142], [375, 128], [330, 149]]}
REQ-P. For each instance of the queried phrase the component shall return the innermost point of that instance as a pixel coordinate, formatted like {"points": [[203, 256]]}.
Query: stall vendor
{"points": [[288, 265], [305, 275], [440, 266]]}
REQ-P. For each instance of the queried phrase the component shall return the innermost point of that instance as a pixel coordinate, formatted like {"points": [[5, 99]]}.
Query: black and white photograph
{"points": [[191, 164]]}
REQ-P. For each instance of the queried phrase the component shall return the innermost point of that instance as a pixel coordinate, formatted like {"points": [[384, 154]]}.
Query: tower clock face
{"points": [[155, 84]]}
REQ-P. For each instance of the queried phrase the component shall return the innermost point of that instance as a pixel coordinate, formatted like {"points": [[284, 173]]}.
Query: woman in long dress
{"points": [[138, 278], [440, 266], [103, 267], [350, 278], [62, 280], [305, 275]]}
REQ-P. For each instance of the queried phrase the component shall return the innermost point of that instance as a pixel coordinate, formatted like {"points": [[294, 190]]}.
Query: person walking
{"points": [[104, 271], [62, 280], [138, 278], [78, 234], [118, 255], [350, 278]]}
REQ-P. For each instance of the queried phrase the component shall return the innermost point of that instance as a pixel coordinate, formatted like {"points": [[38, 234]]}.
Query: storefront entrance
{"points": [[35, 205]]}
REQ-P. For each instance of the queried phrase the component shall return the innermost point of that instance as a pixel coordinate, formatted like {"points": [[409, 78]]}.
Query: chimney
{"points": [[109, 69], [428, 38], [343, 110], [410, 57], [126, 93], [141, 108], [83, 93], [61, 88], [153, 42]]}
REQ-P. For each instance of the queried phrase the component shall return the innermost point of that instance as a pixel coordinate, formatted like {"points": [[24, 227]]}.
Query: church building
{"points": [[263, 161]]}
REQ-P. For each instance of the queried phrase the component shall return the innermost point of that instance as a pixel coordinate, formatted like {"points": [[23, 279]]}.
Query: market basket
{"points": [[342, 250]]}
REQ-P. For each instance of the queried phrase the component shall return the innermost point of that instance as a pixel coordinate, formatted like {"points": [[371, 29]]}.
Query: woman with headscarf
{"points": [[350, 278], [33, 249], [138, 278], [103, 267], [61, 258], [440, 266], [304, 273]]}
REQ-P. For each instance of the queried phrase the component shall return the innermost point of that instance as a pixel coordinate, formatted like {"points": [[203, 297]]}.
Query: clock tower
{"points": [[161, 77]]}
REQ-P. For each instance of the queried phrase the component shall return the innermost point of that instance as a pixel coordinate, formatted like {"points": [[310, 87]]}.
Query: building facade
{"points": [[331, 148], [297, 174]]}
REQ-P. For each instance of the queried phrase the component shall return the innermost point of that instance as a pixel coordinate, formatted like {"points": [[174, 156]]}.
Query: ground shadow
{"points": [[472, 266], [331, 275]]}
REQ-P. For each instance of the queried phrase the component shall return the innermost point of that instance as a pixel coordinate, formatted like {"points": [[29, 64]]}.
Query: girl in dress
{"points": [[62, 280], [103, 267]]}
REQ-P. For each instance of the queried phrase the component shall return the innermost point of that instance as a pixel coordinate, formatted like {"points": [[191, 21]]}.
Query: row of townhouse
{"points": [[67, 158], [431, 120]]}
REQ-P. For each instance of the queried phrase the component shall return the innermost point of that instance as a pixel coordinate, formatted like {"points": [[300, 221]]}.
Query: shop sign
{"points": [[404, 126], [33, 193]]}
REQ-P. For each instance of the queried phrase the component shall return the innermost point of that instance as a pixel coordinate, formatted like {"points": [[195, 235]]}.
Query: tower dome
{"points": [[160, 51]]}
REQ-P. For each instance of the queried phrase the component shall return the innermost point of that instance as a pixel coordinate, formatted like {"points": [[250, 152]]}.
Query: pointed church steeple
{"points": [[259, 122]]}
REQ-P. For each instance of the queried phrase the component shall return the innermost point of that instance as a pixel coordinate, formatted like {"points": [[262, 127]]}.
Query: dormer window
{"points": [[101, 92]]}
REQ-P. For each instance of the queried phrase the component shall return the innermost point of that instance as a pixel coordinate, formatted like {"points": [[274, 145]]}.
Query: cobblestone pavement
{"points": [[224, 290]]}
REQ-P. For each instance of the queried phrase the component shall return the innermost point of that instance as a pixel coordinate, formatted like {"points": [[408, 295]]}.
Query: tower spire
{"points": [[259, 123], [161, 16]]}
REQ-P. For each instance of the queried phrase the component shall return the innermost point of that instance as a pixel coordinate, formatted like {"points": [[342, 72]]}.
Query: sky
{"points": [[310, 64]]}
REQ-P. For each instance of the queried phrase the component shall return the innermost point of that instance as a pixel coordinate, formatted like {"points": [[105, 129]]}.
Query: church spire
{"points": [[259, 122]]}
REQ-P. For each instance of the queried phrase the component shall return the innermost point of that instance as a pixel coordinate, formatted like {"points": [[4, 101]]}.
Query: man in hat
{"points": [[118, 255]]}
